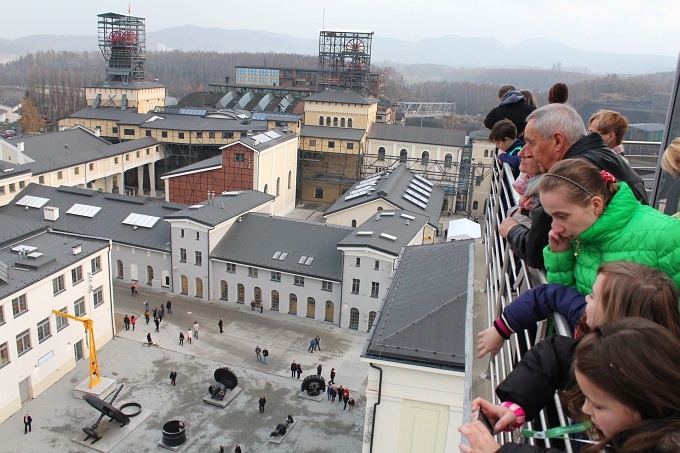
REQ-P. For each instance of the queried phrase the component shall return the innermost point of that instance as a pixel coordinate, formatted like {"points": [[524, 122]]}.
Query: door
{"points": [[330, 311], [311, 307], [24, 390], [78, 350]]}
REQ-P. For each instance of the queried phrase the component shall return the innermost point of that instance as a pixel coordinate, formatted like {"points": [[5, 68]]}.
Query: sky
{"points": [[619, 26]]}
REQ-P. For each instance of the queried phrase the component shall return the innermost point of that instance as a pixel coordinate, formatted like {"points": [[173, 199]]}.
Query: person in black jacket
{"points": [[512, 106]]}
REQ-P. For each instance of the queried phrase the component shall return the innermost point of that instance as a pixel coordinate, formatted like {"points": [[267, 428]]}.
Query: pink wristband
{"points": [[519, 412]]}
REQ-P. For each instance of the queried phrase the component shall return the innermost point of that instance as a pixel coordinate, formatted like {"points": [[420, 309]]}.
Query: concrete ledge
{"points": [[168, 447], [320, 397], [111, 433], [105, 387], [278, 439], [228, 398]]}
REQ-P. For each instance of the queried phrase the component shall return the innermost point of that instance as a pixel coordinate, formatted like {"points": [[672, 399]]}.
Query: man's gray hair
{"points": [[562, 118]]}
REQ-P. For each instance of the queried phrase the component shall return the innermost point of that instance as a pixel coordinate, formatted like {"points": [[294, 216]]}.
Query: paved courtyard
{"points": [[322, 427]]}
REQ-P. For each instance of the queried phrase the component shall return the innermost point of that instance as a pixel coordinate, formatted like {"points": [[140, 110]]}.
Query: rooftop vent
{"points": [[76, 249]]}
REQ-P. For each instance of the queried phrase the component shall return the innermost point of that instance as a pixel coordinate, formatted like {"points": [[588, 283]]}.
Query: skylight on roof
{"points": [[420, 178], [141, 220], [276, 255], [302, 259], [84, 210], [32, 202], [406, 216], [232, 193], [283, 256], [309, 261], [272, 134], [196, 206], [387, 214], [388, 236], [415, 201], [364, 233], [24, 248]]}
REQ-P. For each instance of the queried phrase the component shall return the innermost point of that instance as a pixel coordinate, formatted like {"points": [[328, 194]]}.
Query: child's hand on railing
{"points": [[489, 341], [502, 417]]}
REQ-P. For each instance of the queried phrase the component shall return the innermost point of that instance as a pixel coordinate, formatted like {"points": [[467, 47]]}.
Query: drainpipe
{"points": [[342, 284], [375, 406]]}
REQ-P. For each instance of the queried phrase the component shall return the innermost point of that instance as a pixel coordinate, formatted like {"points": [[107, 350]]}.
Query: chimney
{"points": [[76, 249], [97, 131], [20, 147], [50, 213]]}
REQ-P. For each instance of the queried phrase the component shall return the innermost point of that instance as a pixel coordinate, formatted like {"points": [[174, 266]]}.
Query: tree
{"points": [[30, 122]]}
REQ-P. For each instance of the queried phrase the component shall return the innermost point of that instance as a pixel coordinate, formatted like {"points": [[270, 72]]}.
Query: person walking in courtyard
{"points": [[258, 353], [173, 377], [341, 392], [329, 391], [189, 335], [146, 316], [168, 306], [196, 330], [293, 369], [345, 398], [181, 338], [27, 423], [146, 305], [155, 313], [252, 305], [298, 371], [135, 289], [133, 321], [221, 449], [126, 321], [237, 449], [317, 342], [350, 404], [318, 370], [311, 346], [265, 356], [332, 381], [261, 402], [220, 324], [334, 394], [158, 324], [149, 341], [162, 311]]}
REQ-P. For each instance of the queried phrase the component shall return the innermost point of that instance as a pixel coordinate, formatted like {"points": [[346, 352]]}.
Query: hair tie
{"points": [[607, 177]]}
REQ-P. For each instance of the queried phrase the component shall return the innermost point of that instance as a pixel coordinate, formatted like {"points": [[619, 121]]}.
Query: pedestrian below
{"points": [[332, 381], [181, 338], [318, 370], [293, 369], [133, 321], [132, 290], [311, 346], [162, 311], [220, 324], [317, 341], [146, 305], [158, 324], [345, 399], [126, 321], [155, 313], [173, 377], [27, 423], [351, 404], [237, 449], [262, 401], [265, 356], [252, 305], [222, 449], [168, 306], [298, 370], [261, 307], [146, 316], [258, 353], [196, 330], [189, 335], [329, 391], [160, 315], [340, 392], [334, 394], [135, 289], [149, 341]]}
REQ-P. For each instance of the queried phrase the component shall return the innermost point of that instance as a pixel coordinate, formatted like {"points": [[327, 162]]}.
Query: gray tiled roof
{"points": [[256, 239], [112, 114], [422, 320], [223, 207], [107, 223], [481, 134], [130, 85], [343, 97], [12, 228], [45, 146], [391, 223], [338, 133], [256, 141], [416, 134], [391, 187]]}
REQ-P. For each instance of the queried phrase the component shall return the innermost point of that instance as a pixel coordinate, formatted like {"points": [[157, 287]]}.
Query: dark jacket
{"points": [[516, 112], [511, 158], [528, 244]]}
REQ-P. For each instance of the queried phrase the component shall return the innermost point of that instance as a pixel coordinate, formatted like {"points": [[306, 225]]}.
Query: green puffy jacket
{"points": [[626, 231]]}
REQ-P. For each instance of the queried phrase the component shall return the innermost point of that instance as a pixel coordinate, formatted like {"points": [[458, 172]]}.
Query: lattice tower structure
{"points": [[344, 60], [122, 41]]}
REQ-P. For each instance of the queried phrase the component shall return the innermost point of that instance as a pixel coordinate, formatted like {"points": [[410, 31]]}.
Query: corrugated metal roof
{"points": [[416, 134]]}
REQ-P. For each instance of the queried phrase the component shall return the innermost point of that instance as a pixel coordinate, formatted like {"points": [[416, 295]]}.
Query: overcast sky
{"points": [[621, 26]]}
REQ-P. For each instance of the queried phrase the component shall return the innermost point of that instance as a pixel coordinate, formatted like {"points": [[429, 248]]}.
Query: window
{"points": [[321, 121], [354, 319], [275, 300], [292, 304], [328, 121], [97, 297], [376, 266], [119, 269], [312, 142], [181, 232], [381, 153], [276, 276], [23, 342], [91, 167], [448, 161], [60, 175], [486, 153], [62, 321], [318, 192], [231, 268], [198, 258], [224, 290], [58, 285], [425, 159], [326, 286], [240, 293], [79, 307], [198, 235], [475, 205], [19, 305], [355, 285], [371, 319], [266, 188], [114, 129], [299, 281], [342, 122], [335, 122], [127, 157], [403, 154], [290, 178], [239, 157], [44, 331], [4, 354], [12, 187], [350, 146], [181, 135], [311, 307], [252, 272], [354, 223], [41, 180], [149, 275], [77, 275], [164, 134], [357, 262], [278, 186], [2, 315], [148, 133], [199, 134], [227, 135], [257, 292], [182, 255], [331, 144], [115, 161], [2, 189], [22, 184], [375, 289], [349, 122]]}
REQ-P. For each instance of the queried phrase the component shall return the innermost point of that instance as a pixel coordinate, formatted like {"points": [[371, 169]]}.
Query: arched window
{"points": [[354, 223], [371, 319], [266, 188], [335, 122], [321, 121], [240, 293], [475, 205], [278, 186], [448, 161], [342, 122], [330, 311], [425, 159], [381, 153], [403, 154], [311, 307], [290, 178], [199, 287], [149, 275], [275, 300], [349, 122], [184, 288], [486, 153], [292, 304], [354, 319], [224, 290], [119, 269], [328, 121]]}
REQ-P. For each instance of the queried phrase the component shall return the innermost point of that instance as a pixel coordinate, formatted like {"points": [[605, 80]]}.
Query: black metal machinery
{"points": [[107, 409], [313, 385], [225, 380]]}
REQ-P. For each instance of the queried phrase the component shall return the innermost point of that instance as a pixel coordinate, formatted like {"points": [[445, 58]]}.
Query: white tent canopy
{"points": [[462, 229]]}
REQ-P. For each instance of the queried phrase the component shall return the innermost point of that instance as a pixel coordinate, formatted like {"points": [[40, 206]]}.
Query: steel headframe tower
{"points": [[344, 60], [122, 41]]}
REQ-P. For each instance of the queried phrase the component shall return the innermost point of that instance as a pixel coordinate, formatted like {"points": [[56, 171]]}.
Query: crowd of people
{"points": [[613, 268]]}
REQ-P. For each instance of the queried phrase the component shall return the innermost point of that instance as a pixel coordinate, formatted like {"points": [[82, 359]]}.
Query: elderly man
{"points": [[556, 132]]}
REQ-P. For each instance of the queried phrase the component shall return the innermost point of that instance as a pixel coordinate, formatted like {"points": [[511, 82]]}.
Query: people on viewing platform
{"points": [[612, 126], [504, 136], [512, 106], [558, 94], [529, 98], [671, 164]]}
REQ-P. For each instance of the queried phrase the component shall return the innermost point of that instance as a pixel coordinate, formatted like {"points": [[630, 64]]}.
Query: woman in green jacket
{"points": [[596, 220]]}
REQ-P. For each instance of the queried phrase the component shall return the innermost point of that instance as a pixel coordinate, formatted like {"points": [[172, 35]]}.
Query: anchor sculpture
{"points": [[108, 410]]}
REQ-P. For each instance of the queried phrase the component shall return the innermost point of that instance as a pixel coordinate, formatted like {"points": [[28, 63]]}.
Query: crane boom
{"points": [[95, 378]]}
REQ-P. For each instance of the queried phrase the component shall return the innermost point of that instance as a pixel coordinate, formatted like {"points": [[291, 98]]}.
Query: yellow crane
{"points": [[95, 378]]}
